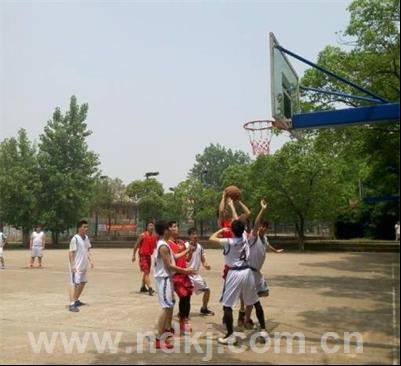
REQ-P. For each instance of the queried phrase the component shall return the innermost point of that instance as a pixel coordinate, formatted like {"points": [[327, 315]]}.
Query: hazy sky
{"points": [[163, 79]]}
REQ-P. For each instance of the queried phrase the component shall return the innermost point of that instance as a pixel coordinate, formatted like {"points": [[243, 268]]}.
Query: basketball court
{"points": [[311, 294]]}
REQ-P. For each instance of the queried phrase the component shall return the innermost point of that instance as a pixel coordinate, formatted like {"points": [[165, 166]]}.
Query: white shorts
{"points": [[239, 283], [262, 287], [165, 290], [1, 252], [77, 278], [199, 284], [36, 252]]}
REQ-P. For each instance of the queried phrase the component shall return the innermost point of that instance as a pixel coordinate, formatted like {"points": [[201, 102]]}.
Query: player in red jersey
{"points": [[146, 244]]}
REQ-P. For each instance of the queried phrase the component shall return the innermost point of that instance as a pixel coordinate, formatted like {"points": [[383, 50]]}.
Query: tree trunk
{"points": [[25, 238], [55, 237], [301, 233]]}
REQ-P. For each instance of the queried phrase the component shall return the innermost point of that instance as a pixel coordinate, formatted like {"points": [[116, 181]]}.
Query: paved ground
{"points": [[311, 294]]}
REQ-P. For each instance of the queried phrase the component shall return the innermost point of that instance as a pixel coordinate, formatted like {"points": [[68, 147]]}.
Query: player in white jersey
{"points": [[3, 241], [80, 258], [240, 279], [37, 245], [196, 258], [164, 269], [258, 246]]}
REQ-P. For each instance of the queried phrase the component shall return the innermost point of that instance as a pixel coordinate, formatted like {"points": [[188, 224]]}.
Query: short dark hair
{"points": [[149, 222], [238, 228], [161, 227], [171, 223], [192, 230], [82, 223]]}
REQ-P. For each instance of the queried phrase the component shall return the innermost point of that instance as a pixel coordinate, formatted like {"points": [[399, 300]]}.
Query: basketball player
{"points": [[165, 267], [196, 258], [182, 283], [3, 241], [146, 243], [80, 258], [37, 245], [240, 279]]}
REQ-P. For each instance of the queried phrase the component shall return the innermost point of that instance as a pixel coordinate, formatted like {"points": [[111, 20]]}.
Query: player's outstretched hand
{"points": [[208, 267], [263, 204]]}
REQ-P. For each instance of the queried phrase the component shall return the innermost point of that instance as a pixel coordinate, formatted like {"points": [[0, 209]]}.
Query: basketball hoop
{"points": [[260, 134]]}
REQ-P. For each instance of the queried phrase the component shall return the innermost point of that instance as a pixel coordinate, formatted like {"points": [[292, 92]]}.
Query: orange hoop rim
{"points": [[249, 126]]}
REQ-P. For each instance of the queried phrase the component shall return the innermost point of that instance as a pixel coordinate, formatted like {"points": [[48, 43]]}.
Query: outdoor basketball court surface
{"points": [[322, 297]]}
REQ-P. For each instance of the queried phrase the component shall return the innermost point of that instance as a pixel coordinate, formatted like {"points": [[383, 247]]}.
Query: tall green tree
{"points": [[214, 160], [370, 56], [148, 194], [300, 184], [19, 184], [67, 168]]}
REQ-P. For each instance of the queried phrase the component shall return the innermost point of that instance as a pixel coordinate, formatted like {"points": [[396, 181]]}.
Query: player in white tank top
{"points": [[37, 244]]}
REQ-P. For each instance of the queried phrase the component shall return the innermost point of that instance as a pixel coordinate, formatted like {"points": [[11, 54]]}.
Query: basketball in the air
{"points": [[233, 192]]}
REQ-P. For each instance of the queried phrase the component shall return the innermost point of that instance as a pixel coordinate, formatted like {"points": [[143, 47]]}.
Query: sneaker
{"points": [[263, 337], [170, 331], [143, 290], [185, 327], [163, 344], [73, 309], [206, 312], [241, 319], [228, 340], [79, 303], [151, 291]]}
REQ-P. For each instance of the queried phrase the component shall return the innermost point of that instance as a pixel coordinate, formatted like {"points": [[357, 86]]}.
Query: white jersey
{"points": [[257, 252], [37, 239], [196, 260], [236, 252], [160, 270], [2, 239], [81, 248]]}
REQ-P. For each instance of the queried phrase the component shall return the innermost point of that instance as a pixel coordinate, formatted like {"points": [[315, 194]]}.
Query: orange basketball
{"points": [[233, 192]]}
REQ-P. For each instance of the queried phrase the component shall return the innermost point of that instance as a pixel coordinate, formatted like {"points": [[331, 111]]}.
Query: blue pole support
{"points": [[339, 94], [357, 115], [332, 74]]}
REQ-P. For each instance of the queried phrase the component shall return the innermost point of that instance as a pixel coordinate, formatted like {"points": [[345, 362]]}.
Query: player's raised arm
{"points": [[263, 209], [214, 238], [231, 205], [222, 207], [246, 212]]}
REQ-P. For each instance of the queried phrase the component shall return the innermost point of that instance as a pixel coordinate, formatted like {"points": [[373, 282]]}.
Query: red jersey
{"points": [[148, 244], [227, 224], [179, 247]]}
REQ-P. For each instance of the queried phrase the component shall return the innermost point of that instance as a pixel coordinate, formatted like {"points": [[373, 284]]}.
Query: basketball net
{"points": [[260, 134]]}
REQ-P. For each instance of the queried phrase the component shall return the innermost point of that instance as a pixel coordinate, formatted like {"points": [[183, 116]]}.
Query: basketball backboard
{"points": [[284, 86]]}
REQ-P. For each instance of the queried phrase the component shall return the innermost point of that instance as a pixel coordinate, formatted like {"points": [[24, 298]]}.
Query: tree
{"points": [[19, 184], [67, 168], [148, 194], [300, 184], [370, 56], [211, 164]]}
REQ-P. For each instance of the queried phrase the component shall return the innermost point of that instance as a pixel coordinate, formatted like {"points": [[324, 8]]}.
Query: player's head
{"points": [[82, 227], [161, 228], [150, 227], [238, 228], [38, 228], [263, 227], [174, 230], [193, 235]]}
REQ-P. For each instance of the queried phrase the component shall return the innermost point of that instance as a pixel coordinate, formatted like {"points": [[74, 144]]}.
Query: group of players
{"points": [[177, 266]]}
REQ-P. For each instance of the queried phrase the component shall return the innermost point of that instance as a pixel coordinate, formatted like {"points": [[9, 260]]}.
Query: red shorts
{"points": [[182, 285], [145, 263]]}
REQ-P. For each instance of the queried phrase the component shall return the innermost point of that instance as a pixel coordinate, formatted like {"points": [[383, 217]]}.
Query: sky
{"points": [[163, 79]]}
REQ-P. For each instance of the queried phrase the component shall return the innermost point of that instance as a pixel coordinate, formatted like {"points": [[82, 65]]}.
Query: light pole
{"points": [[203, 173], [147, 176]]}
